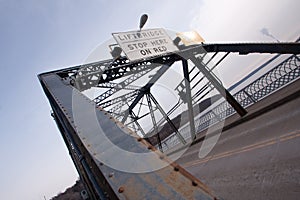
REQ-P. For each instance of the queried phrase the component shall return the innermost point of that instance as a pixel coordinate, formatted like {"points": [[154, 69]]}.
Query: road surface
{"points": [[258, 158]]}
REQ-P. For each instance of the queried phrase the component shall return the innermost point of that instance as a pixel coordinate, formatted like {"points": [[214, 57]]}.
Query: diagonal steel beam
{"points": [[223, 91], [146, 88]]}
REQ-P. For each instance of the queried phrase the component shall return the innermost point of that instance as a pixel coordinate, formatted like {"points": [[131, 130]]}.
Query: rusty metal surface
{"points": [[90, 135]]}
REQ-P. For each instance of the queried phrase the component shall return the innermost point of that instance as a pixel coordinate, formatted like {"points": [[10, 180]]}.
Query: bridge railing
{"points": [[279, 76]]}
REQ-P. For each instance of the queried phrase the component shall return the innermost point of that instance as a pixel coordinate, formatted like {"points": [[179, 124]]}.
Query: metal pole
{"points": [[189, 98], [154, 122]]}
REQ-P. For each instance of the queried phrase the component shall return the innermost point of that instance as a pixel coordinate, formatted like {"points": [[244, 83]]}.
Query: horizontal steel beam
{"points": [[245, 48]]}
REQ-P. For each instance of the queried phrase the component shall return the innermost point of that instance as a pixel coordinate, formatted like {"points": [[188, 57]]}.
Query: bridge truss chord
{"points": [[112, 137]]}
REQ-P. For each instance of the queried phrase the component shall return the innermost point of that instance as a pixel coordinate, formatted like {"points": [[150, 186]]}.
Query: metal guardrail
{"points": [[279, 76]]}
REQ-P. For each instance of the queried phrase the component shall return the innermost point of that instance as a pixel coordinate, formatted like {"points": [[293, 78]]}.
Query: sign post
{"points": [[138, 45]]}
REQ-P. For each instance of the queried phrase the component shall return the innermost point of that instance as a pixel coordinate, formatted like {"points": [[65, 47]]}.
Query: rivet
{"points": [[149, 147], [176, 169], [139, 139], [194, 183], [121, 189], [110, 175]]}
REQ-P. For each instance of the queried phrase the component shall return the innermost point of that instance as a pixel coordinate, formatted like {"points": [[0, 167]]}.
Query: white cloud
{"points": [[242, 21], [231, 20]]}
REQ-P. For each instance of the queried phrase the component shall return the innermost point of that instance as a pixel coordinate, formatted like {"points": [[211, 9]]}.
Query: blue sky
{"points": [[38, 36]]}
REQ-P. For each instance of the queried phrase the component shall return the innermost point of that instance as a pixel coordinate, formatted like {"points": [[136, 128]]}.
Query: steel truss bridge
{"points": [[128, 113]]}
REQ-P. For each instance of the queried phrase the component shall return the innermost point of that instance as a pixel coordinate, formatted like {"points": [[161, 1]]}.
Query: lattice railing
{"points": [[279, 76]]}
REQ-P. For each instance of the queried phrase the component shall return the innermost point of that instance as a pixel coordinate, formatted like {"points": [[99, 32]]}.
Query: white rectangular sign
{"points": [[143, 44]]}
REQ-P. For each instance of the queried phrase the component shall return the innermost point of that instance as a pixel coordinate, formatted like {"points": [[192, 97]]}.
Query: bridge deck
{"points": [[258, 156]]}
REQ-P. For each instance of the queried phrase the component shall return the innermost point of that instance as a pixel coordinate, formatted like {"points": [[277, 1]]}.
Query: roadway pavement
{"points": [[257, 158]]}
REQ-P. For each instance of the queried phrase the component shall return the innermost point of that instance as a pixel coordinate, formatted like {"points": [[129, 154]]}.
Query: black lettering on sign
{"points": [[142, 45], [139, 45], [121, 38], [160, 49], [158, 42], [145, 52], [130, 47]]}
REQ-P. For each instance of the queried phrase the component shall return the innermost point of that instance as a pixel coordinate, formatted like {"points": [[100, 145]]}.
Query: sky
{"points": [[38, 36]]}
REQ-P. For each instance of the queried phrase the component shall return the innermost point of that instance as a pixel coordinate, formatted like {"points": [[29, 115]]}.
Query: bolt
{"points": [[194, 183], [121, 189]]}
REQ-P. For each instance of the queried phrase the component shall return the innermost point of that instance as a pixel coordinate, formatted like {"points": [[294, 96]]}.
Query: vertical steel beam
{"points": [[154, 122], [189, 98]]}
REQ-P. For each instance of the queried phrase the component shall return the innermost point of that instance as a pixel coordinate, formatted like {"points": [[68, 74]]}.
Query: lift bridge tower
{"points": [[117, 139]]}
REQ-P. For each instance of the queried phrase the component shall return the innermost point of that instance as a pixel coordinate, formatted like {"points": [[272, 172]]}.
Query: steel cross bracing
{"points": [[196, 79], [87, 147], [117, 75], [135, 74], [121, 68], [284, 73]]}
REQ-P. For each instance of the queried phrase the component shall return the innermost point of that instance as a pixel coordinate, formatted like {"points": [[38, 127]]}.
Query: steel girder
{"points": [[83, 142], [86, 143]]}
